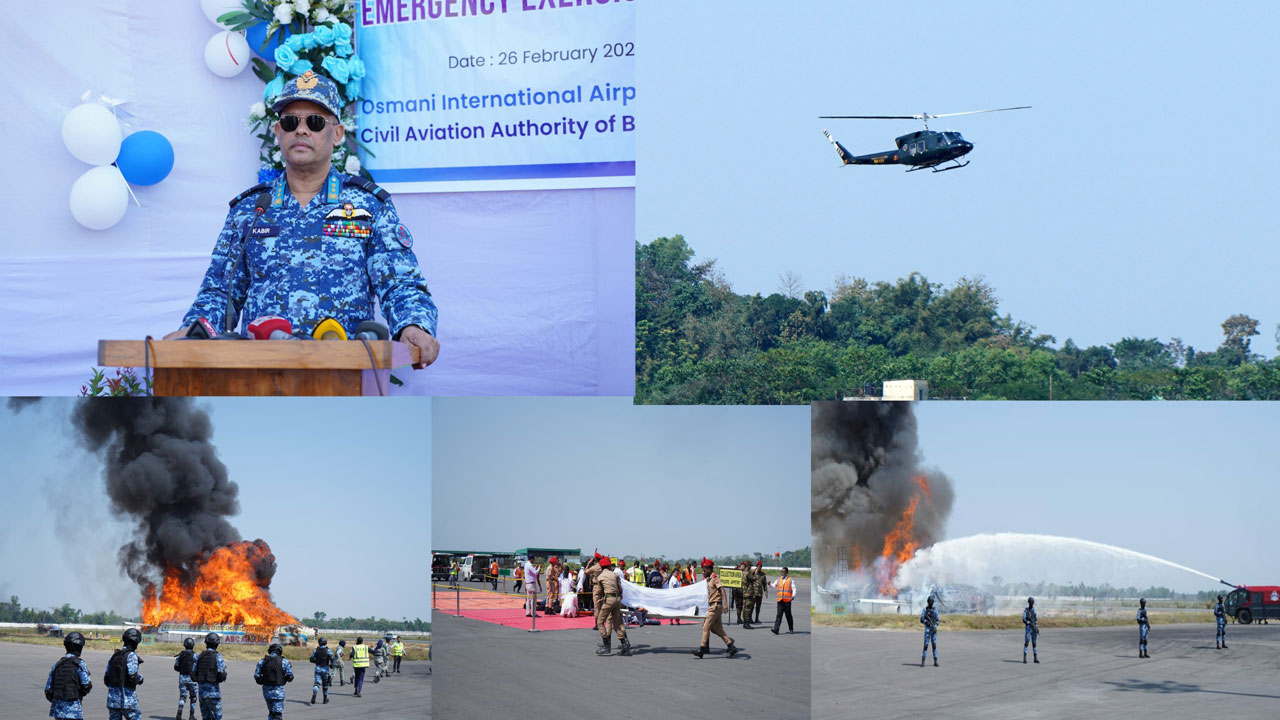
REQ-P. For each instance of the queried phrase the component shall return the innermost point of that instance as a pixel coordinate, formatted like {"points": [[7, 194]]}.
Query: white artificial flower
{"points": [[257, 111], [284, 13], [349, 125], [275, 156], [321, 16], [302, 6], [353, 165]]}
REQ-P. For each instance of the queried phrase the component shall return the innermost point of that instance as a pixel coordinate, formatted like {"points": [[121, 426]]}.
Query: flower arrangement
{"points": [[307, 35]]}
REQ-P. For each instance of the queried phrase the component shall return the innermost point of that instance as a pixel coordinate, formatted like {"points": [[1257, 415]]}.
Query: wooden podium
{"points": [[262, 367]]}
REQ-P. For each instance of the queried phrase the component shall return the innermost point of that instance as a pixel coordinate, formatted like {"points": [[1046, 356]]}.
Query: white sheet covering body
{"points": [[690, 601]]}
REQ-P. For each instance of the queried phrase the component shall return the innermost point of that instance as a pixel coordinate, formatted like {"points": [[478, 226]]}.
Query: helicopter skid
{"points": [[957, 166]]}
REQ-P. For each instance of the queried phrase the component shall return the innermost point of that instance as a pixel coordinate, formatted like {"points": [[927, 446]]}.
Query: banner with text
{"points": [[498, 94]]}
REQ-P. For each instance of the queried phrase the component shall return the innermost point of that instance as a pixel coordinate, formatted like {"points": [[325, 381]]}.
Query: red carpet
{"points": [[516, 618]]}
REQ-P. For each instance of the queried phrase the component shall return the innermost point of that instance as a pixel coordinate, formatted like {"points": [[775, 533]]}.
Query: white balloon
{"points": [[91, 133], [99, 197], [227, 53], [213, 8]]}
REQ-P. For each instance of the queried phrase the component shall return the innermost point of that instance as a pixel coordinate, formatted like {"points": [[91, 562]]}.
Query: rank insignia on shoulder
{"points": [[403, 236], [349, 212]]}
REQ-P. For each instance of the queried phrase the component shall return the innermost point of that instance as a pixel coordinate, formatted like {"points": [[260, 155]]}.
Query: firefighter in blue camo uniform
{"points": [[122, 679], [211, 671], [185, 665], [322, 659], [69, 681], [1143, 626], [929, 618], [272, 672], [1220, 613], [1033, 630], [326, 246], [335, 663]]}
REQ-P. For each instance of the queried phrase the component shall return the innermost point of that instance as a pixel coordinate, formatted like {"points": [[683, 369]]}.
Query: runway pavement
{"points": [[24, 669], [1083, 673], [488, 670]]}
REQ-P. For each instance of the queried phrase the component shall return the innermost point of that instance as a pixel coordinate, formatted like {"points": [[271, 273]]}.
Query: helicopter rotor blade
{"points": [[870, 117], [976, 112]]}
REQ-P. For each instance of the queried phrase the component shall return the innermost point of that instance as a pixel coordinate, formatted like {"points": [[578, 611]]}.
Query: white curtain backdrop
{"points": [[535, 289]]}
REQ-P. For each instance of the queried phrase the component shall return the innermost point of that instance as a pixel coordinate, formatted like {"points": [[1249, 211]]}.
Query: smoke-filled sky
{"points": [[340, 489], [1187, 482], [588, 472]]}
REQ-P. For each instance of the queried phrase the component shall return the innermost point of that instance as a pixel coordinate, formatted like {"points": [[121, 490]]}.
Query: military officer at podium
{"points": [[315, 243]]}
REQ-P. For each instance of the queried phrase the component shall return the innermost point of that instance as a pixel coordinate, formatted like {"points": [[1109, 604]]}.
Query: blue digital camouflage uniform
{"points": [[1029, 620], [122, 702], [187, 688], [274, 694], [321, 674], [69, 709], [1143, 626], [929, 616], [211, 694], [1220, 613], [332, 258]]}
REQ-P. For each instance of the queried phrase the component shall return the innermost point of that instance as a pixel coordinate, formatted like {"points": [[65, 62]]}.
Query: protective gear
{"points": [[207, 668], [272, 670], [1031, 601], [186, 662], [626, 647], [321, 656], [131, 638], [606, 646], [74, 643], [189, 643], [733, 649], [702, 650], [66, 681], [930, 601], [361, 657], [118, 671], [212, 640], [322, 642]]}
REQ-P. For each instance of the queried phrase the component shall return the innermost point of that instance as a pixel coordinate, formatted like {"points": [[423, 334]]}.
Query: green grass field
{"points": [[999, 622], [414, 649]]}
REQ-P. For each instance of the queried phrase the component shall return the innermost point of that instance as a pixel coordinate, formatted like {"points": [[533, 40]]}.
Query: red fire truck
{"points": [[1253, 602]]}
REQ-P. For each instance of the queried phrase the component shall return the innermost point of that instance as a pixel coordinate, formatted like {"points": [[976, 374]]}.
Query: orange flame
{"points": [[857, 557], [901, 544], [227, 591]]}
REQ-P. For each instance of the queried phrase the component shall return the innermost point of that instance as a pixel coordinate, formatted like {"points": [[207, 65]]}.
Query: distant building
{"points": [[906, 389]]}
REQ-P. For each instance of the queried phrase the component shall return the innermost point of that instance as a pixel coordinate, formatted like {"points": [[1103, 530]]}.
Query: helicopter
{"points": [[920, 149]]}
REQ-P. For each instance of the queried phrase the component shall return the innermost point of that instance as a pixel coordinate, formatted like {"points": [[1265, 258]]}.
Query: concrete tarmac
{"points": [[25, 668], [1083, 673], [489, 670]]}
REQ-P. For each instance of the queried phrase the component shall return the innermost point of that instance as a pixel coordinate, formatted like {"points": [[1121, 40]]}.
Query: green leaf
{"points": [[263, 71], [396, 381]]}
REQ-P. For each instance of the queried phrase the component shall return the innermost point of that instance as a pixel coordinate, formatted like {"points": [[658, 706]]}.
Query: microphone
{"points": [[271, 327], [371, 330], [260, 207], [329, 329], [201, 329]]}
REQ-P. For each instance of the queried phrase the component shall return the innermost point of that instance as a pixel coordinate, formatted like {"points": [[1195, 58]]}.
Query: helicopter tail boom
{"points": [[848, 158]]}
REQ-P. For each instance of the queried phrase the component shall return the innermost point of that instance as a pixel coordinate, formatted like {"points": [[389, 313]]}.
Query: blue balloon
{"points": [[146, 157], [257, 34]]}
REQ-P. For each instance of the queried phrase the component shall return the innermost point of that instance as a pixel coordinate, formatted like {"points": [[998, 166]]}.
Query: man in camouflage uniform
{"points": [[211, 672], [764, 584], [929, 618], [327, 244], [1144, 625], [1032, 625], [122, 679], [1220, 614], [735, 595], [69, 681], [272, 672], [610, 617], [715, 607], [185, 665], [323, 660], [335, 664], [752, 590]]}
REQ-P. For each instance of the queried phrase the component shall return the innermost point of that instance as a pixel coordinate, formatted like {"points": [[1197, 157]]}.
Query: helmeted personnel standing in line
{"points": [[1032, 625], [185, 665], [397, 653], [211, 671], [610, 615], [786, 593], [1143, 626], [322, 659], [122, 678], [1220, 614], [69, 681], [715, 608], [359, 664], [929, 618], [335, 663], [272, 672]]}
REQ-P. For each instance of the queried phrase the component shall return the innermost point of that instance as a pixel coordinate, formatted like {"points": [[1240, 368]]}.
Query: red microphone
{"points": [[271, 327]]}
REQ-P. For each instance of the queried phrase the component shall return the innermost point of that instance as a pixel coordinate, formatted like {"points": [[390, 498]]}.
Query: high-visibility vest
{"points": [[785, 589], [397, 649], [361, 657], [493, 569]]}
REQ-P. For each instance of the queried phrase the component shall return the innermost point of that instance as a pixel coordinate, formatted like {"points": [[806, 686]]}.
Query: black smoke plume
{"points": [[864, 457], [162, 471]]}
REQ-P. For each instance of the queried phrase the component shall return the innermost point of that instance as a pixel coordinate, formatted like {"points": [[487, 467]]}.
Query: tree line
{"points": [[699, 342], [13, 611], [322, 620]]}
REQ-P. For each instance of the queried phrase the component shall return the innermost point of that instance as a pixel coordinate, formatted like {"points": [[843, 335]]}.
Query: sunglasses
{"points": [[315, 122]]}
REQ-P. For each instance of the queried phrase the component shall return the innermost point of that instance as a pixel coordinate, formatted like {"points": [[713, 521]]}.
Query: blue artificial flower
{"points": [[337, 68], [273, 89], [286, 57], [342, 49], [324, 36], [300, 67], [356, 66], [353, 91], [267, 174], [310, 40], [342, 32], [294, 42]]}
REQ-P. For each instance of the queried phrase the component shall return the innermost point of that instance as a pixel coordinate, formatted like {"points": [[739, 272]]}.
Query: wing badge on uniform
{"points": [[348, 212], [348, 221]]}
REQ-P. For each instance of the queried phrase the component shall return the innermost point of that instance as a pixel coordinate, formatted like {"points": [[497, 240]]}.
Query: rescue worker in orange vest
{"points": [[493, 574], [715, 606], [359, 663], [610, 618], [786, 591]]}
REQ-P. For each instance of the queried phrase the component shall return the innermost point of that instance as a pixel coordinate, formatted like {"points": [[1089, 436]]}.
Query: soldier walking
{"points": [[929, 618], [1029, 620], [1144, 625], [610, 613], [1220, 614], [715, 608], [211, 671], [122, 678], [69, 681], [185, 665], [323, 660], [272, 672]]}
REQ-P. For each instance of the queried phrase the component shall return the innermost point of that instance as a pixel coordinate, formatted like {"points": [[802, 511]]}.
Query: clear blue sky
{"points": [[316, 477], [601, 472], [1135, 198], [1188, 482]]}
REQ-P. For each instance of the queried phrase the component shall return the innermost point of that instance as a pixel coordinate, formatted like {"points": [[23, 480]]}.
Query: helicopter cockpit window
{"points": [[944, 140]]}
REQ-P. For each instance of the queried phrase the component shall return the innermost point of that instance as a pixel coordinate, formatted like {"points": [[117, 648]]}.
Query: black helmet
{"points": [[275, 649], [212, 640], [189, 643], [1031, 601], [1219, 598], [322, 642], [930, 599], [342, 643], [73, 642], [131, 638], [1142, 602]]}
